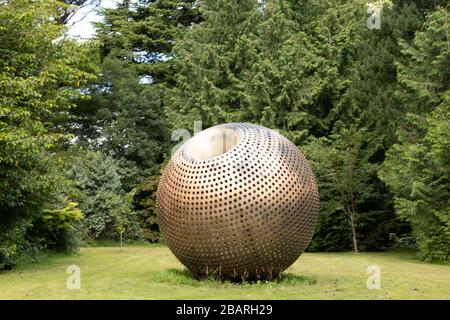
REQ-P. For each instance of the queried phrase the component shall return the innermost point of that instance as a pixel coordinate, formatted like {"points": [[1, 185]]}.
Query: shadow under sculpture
{"points": [[238, 201]]}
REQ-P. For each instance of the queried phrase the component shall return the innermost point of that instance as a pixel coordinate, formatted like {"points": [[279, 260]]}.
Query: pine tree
{"points": [[123, 119], [142, 33], [417, 168], [98, 190]]}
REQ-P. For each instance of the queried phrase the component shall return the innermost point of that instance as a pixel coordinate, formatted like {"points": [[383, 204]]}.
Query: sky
{"points": [[80, 25]]}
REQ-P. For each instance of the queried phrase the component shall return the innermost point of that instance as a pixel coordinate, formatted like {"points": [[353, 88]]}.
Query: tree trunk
{"points": [[351, 209], [352, 223]]}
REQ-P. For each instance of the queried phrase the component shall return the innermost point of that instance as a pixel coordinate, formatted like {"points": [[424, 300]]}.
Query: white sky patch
{"points": [[146, 80], [80, 25]]}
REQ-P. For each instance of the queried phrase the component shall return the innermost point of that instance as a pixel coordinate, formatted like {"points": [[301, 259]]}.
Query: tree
{"points": [[293, 66], [364, 99], [67, 11], [345, 174], [147, 201], [100, 195], [143, 34], [417, 167], [40, 75], [123, 120], [225, 64], [124, 117], [417, 171]]}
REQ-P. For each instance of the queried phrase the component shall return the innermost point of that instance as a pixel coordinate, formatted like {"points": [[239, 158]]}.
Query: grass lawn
{"points": [[152, 272]]}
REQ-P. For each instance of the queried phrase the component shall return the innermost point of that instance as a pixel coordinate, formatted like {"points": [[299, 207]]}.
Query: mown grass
{"points": [[151, 272], [185, 277]]}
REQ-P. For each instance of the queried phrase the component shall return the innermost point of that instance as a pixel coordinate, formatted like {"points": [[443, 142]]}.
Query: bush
{"points": [[97, 187], [61, 228]]}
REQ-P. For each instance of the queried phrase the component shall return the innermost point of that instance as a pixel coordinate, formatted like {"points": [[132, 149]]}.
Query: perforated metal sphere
{"points": [[238, 200]]}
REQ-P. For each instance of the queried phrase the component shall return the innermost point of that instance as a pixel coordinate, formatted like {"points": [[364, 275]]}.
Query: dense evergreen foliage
{"points": [[417, 167], [98, 190], [327, 82], [298, 71], [85, 128]]}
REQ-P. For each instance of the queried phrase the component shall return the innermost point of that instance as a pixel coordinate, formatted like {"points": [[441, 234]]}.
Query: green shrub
{"points": [[98, 190], [61, 228]]}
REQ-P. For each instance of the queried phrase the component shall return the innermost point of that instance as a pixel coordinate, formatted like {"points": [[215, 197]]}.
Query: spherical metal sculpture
{"points": [[237, 200]]}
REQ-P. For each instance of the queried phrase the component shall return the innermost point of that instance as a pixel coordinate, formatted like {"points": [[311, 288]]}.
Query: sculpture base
{"points": [[267, 274]]}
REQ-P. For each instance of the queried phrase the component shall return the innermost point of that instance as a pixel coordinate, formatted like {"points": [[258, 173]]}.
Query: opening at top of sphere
{"points": [[212, 142]]}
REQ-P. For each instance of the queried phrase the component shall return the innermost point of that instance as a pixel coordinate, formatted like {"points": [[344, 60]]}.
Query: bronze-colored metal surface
{"points": [[238, 200]]}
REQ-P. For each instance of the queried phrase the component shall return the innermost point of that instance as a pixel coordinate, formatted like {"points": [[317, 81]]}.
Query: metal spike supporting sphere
{"points": [[237, 200]]}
